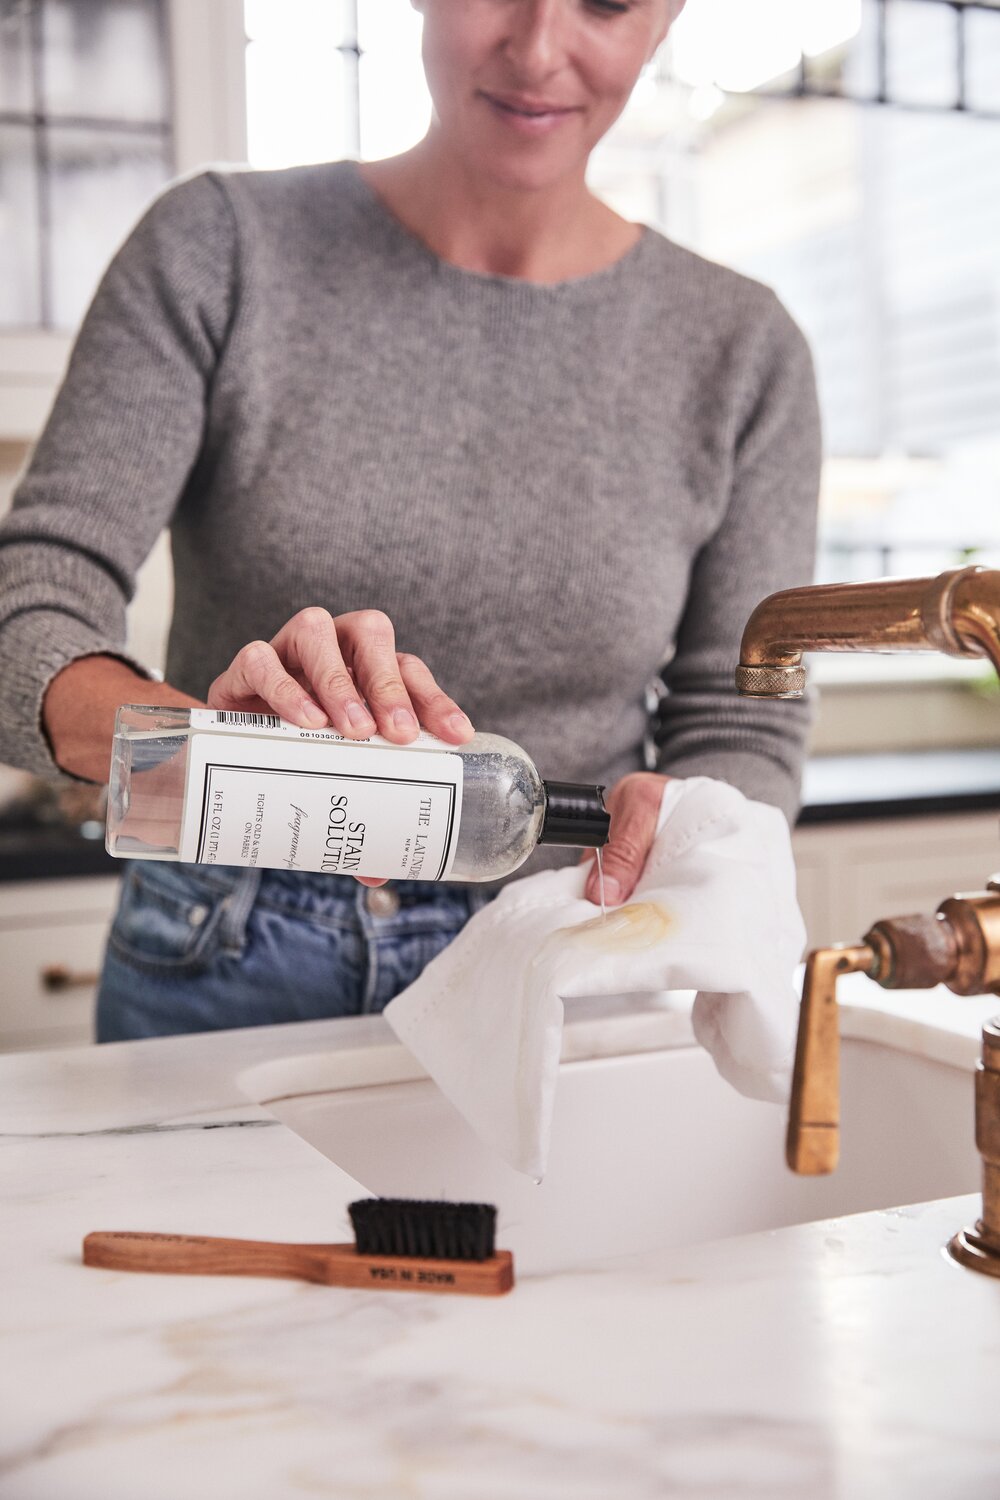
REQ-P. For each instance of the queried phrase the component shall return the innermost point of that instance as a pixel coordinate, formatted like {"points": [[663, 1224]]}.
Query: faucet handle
{"points": [[813, 1143], [958, 946]]}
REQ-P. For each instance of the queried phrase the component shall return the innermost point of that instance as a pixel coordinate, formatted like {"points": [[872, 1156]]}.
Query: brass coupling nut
{"points": [[770, 681]]}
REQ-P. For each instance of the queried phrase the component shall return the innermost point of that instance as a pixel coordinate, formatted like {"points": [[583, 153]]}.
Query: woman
{"points": [[446, 411]]}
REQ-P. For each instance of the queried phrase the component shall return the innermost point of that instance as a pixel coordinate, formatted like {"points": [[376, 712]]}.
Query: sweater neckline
{"points": [[594, 281]]}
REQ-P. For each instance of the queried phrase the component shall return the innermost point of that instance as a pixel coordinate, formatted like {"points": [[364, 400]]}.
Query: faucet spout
{"points": [[957, 613]]}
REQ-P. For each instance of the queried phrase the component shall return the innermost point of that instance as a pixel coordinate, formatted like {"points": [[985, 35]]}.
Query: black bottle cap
{"points": [[574, 815]]}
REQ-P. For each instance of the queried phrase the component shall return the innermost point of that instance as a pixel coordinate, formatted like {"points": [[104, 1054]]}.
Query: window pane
{"points": [[923, 50], [20, 296], [105, 59], [982, 54], [302, 94], [395, 104], [15, 56], [860, 78], [299, 104], [324, 22], [100, 183]]}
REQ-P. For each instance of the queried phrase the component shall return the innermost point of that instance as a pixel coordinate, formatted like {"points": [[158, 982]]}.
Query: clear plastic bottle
{"points": [[214, 787]]}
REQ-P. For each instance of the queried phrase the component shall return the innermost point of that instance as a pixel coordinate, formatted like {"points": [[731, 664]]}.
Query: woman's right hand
{"points": [[343, 671]]}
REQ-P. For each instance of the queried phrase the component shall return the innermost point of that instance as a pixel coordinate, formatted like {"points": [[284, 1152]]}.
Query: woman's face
{"points": [[524, 89]]}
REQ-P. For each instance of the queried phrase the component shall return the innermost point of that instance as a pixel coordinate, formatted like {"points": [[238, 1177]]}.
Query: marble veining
{"points": [[836, 1361], [151, 1128]]}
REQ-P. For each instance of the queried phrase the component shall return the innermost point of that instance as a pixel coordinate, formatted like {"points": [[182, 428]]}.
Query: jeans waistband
{"points": [[305, 891]]}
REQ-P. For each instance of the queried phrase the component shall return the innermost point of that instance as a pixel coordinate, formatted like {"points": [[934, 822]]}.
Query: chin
{"points": [[522, 172]]}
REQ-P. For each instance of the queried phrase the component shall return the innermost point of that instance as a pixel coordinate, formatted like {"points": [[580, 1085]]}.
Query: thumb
{"points": [[624, 855]]}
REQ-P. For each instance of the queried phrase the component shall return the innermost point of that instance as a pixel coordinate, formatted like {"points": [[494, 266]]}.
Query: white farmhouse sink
{"points": [[650, 1147]]}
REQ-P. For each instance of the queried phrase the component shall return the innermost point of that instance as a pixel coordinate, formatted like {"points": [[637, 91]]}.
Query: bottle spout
{"points": [[575, 816]]}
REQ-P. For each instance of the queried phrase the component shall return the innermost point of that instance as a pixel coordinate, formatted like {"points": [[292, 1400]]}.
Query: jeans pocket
{"points": [[167, 921]]}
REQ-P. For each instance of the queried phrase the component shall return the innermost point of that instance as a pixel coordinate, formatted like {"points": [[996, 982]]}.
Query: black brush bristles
{"points": [[434, 1231]]}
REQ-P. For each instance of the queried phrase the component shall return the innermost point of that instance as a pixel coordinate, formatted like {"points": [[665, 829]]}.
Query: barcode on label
{"points": [[248, 721]]}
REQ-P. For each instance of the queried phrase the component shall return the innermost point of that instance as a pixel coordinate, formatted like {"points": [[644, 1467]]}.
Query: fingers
{"points": [[435, 710], [400, 688], [256, 682], [369, 644], [343, 671], [310, 645], [634, 805]]}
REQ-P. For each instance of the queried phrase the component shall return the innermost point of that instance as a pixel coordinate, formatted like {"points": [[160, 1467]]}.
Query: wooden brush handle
{"points": [[202, 1255], [331, 1265]]}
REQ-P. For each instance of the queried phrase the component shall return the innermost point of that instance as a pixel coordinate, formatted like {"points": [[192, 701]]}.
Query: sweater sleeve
{"points": [[115, 455], [765, 541]]}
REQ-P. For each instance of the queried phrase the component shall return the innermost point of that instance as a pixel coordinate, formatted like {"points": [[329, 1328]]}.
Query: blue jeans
{"points": [[198, 948]]}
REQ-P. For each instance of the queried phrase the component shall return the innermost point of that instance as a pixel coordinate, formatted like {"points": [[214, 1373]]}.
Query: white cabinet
{"points": [[851, 874], [52, 935]]}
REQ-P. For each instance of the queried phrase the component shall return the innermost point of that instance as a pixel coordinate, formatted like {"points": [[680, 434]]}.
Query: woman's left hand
{"points": [[634, 804]]}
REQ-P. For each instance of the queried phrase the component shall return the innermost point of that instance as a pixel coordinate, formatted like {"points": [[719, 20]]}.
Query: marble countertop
{"points": [[835, 1361]]}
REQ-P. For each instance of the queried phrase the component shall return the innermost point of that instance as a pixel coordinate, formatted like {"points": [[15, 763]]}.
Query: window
{"points": [[878, 228], [333, 78], [85, 142]]}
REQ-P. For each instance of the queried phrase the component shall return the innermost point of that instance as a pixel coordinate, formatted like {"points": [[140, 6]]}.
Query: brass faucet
{"points": [[957, 613]]}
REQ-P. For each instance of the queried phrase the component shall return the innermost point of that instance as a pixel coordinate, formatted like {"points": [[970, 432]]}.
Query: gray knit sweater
{"points": [[551, 490]]}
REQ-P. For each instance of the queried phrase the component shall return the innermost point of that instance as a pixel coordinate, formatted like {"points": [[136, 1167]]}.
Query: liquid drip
{"points": [[600, 881], [627, 928]]}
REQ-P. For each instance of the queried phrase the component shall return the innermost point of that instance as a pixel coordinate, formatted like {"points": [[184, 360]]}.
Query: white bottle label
{"points": [[276, 796]]}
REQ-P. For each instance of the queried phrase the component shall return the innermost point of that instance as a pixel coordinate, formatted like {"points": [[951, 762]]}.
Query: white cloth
{"points": [[714, 911]]}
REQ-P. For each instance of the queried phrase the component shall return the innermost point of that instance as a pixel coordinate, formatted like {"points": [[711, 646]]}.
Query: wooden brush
{"points": [[399, 1242]]}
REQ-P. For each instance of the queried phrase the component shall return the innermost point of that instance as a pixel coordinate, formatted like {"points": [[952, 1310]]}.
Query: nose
{"points": [[537, 37]]}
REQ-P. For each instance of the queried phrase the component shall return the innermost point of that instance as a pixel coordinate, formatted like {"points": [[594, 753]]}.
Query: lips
{"points": [[530, 107], [532, 115]]}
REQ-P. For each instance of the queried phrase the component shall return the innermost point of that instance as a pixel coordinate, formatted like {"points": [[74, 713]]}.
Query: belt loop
{"points": [[236, 909]]}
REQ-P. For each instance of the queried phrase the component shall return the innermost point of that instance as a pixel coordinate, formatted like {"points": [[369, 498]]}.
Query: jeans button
{"points": [[382, 901]]}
